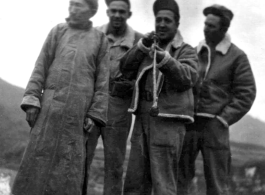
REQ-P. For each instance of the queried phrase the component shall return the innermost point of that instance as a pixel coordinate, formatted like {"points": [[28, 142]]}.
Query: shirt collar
{"points": [[222, 47], [127, 40]]}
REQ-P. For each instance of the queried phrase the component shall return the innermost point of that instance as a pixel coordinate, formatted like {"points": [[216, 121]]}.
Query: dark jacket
{"points": [[227, 90], [69, 83], [176, 76]]}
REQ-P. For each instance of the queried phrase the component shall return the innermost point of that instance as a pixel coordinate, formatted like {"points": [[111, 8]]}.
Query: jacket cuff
{"points": [[29, 101], [143, 48], [97, 121], [165, 60], [223, 121]]}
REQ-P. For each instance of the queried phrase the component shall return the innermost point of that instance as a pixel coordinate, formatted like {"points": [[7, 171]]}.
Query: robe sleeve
{"points": [[99, 107], [36, 82]]}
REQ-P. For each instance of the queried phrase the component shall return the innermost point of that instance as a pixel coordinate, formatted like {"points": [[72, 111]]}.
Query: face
{"points": [[212, 29], [79, 10], [118, 13], [166, 27]]}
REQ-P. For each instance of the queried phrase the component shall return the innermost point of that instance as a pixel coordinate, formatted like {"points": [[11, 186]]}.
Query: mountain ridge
{"points": [[14, 130]]}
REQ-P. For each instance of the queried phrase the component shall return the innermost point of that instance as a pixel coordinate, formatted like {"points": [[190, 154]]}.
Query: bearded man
{"points": [[224, 93]]}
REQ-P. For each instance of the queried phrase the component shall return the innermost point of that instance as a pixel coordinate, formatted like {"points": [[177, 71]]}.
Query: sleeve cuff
{"points": [[97, 121], [142, 47], [223, 121], [165, 60], [30, 101]]}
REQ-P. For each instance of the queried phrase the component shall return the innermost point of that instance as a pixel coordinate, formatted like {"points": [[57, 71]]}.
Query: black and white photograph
{"points": [[132, 97]]}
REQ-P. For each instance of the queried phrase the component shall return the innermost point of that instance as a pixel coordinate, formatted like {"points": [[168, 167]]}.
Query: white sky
{"points": [[24, 26]]}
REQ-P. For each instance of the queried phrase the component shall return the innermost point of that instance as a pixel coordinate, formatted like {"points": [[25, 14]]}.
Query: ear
{"points": [[130, 14], [224, 29], [108, 12], [177, 26]]}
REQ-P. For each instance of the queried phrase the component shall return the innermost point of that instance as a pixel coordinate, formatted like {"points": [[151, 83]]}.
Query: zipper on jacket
{"points": [[204, 77]]}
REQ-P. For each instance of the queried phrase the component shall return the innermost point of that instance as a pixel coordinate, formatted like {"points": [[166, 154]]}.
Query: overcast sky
{"points": [[25, 25]]}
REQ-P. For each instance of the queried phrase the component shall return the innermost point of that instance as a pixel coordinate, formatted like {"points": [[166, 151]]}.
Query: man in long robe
{"points": [[65, 100]]}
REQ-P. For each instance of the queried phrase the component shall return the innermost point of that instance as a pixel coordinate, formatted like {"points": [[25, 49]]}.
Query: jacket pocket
{"points": [[46, 101], [213, 97]]}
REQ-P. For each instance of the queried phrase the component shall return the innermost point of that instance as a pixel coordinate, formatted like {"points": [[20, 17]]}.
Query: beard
{"points": [[214, 37]]}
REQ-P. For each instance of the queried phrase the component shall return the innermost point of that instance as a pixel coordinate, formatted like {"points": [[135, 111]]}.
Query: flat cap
{"points": [[126, 1], [220, 11], [166, 5]]}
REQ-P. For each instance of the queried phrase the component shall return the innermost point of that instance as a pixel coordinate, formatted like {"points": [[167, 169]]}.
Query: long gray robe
{"points": [[69, 82]]}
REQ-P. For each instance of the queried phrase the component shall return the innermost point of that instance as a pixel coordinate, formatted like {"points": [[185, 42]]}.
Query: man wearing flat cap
{"points": [[159, 133], [121, 38], [224, 93], [65, 99]]}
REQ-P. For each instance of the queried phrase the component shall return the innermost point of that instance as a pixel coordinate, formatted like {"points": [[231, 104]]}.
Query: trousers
{"points": [[211, 137], [155, 151], [114, 137]]}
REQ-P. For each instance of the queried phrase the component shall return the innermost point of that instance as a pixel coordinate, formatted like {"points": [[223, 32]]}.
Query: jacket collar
{"points": [[127, 40], [176, 42], [222, 47], [79, 25]]}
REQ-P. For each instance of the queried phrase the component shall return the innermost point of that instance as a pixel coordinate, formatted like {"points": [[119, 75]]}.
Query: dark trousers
{"points": [[114, 137], [155, 151], [211, 138]]}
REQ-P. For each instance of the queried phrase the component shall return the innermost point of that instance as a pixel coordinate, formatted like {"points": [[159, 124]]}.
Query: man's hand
{"points": [[88, 124], [160, 53], [148, 39], [32, 115]]}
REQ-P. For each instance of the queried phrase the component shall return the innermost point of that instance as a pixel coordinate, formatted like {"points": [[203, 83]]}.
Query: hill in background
{"points": [[248, 130], [13, 127], [247, 136]]}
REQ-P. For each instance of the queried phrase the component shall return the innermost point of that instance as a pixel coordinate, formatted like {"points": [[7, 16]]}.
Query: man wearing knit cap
{"points": [[159, 133], [224, 93], [121, 38], [65, 100]]}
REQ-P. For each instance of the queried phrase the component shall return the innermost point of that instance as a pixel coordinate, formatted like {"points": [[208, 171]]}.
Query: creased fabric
{"points": [[70, 80], [175, 77]]}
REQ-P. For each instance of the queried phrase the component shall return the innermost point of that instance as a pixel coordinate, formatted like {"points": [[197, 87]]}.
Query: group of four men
{"points": [[86, 80]]}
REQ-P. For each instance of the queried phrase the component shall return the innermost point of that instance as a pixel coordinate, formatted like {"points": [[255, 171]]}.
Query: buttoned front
{"points": [[116, 51], [118, 47]]}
